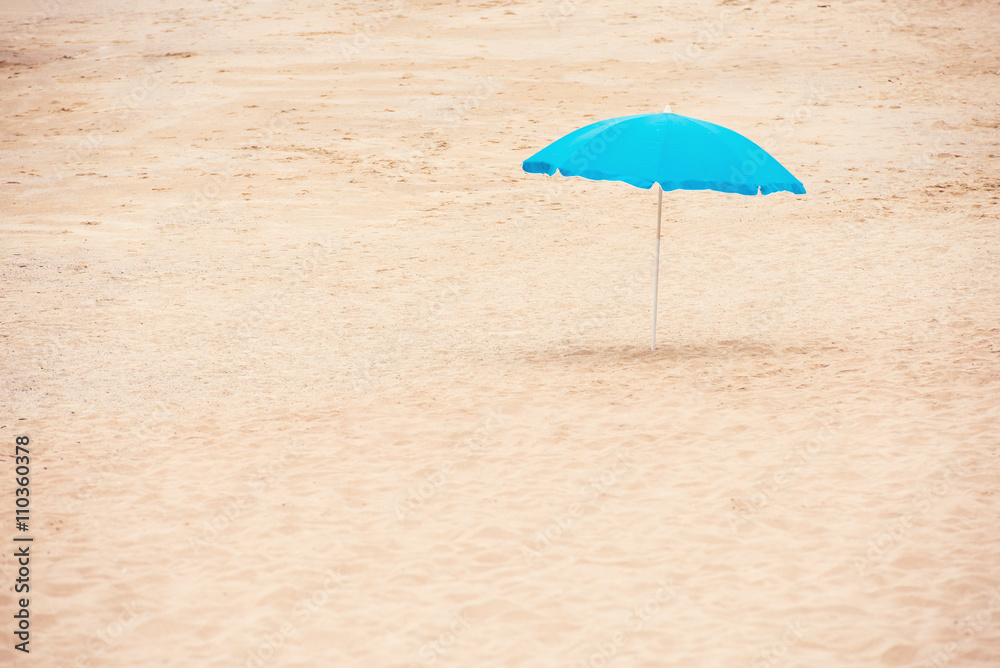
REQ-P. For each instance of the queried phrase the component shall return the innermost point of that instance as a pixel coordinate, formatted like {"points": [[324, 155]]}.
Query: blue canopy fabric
{"points": [[674, 151]]}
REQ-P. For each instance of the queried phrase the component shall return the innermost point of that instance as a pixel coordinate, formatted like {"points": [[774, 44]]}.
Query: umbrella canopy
{"points": [[672, 151], [676, 152]]}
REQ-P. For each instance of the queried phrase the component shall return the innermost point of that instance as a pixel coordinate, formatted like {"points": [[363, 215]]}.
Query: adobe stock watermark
{"points": [[893, 534], [370, 371], [893, 17], [753, 159], [260, 480], [777, 652], [485, 86], [362, 40], [818, 95], [149, 83], [303, 611], [431, 651], [767, 489], [153, 428], [554, 185], [710, 33], [622, 292], [47, 9], [559, 11], [636, 619], [563, 522], [766, 314], [470, 446], [932, 155], [408, 164], [301, 271], [211, 189], [105, 638], [970, 626]]}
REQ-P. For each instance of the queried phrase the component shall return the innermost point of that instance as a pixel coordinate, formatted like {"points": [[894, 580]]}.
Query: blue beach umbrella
{"points": [[668, 150]]}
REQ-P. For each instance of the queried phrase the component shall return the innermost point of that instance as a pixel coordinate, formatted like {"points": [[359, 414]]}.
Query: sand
{"points": [[340, 385]]}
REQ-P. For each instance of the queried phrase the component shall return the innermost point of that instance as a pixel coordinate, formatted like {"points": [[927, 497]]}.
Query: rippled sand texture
{"points": [[316, 376]]}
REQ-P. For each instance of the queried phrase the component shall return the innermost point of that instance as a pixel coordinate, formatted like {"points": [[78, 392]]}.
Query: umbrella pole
{"points": [[656, 264]]}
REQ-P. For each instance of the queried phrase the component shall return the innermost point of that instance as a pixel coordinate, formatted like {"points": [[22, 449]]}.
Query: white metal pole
{"points": [[656, 265]]}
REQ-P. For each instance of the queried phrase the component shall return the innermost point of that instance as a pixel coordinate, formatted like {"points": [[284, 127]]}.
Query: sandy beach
{"points": [[341, 385]]}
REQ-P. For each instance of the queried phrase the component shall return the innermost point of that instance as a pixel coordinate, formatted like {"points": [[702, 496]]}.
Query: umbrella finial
{"points": [[666, 110]]}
